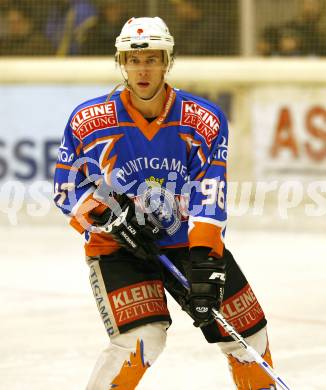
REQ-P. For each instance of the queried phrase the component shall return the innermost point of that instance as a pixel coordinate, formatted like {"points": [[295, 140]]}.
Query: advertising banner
{"points": [[289, 132]]}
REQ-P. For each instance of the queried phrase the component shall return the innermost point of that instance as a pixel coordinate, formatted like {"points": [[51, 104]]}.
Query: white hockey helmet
{"points": [[145, 34]]}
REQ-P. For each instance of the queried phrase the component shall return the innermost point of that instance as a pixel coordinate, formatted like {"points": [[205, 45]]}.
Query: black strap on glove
{"points": [[132, 230], [207, 284]]}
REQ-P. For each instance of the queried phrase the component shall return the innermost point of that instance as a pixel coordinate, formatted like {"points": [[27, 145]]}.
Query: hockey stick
{"points": [[229, 328]]}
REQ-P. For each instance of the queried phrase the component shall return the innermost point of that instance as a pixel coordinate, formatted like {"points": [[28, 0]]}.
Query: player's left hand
{"points": [[207, 284], [133, 232]]}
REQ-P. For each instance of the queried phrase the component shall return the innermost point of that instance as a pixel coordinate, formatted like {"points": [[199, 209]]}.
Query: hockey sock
{"points": [[122, 365], [250, 376], [132, 370]]}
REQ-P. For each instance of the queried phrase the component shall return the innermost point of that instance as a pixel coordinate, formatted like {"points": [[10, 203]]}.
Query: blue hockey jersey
{"points": [[176, 163]]}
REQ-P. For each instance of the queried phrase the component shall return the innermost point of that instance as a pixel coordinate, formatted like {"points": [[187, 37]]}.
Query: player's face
{"points": [[145, 71]]}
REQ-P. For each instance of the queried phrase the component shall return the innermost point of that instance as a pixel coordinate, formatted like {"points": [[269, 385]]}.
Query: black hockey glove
{"points": [[207, 284], [121, 222]]}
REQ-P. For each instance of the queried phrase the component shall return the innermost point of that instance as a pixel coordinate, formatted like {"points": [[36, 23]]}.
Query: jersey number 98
{"points": [[214, 190]]}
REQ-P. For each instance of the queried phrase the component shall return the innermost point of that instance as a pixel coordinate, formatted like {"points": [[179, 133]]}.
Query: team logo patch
{"points": [[97, 117], [162, 208], [202, 120]]}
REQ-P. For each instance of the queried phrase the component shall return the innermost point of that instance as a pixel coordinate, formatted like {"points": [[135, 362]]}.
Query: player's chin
{"points": [[145, 94]]}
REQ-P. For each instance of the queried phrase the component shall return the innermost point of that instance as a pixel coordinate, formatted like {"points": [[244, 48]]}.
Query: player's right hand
{"points": [[137, 235]]}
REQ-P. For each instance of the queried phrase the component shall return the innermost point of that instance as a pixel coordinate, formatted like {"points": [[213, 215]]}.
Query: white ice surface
{"points": [[51, 332]]}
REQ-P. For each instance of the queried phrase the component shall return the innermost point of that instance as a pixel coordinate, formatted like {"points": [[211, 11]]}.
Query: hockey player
{"points": [[145, 173]]}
